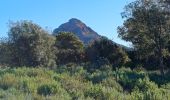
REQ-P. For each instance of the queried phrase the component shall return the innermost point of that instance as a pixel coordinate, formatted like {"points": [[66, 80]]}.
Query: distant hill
{"points": [[85, 33]]}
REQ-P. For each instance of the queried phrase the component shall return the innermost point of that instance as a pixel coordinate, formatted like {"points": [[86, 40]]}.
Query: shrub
{"points": [[74, 85], [46, 90], [77, 84], [94, 91], [7, 81], [111, 83], [145, 85], [69, 48], [97, 76], [104, 51], [147, 90], [127, 78]]}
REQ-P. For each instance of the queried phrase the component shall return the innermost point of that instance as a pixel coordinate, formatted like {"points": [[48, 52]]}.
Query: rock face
{"points": [[85, 33]]}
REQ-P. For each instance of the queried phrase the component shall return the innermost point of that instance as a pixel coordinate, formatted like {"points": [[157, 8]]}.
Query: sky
{"points": [[103, 16]]}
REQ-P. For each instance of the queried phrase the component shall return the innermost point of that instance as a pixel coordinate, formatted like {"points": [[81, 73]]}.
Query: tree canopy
{"points": [[107, 50], [69, 48], [31, 45], [147, 26]]}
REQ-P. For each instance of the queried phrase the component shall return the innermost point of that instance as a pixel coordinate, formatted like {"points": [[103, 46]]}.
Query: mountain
{"points": [[85, 33]]}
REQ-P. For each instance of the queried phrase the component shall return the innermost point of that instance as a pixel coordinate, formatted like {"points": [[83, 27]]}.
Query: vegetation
{"points": [[65, 84], [105, 51], [69, 48], [147, 27], [28, 45], [35, 65]]}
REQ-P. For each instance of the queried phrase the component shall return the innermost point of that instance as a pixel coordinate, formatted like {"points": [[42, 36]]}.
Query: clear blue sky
{"points": [[101, 15]]}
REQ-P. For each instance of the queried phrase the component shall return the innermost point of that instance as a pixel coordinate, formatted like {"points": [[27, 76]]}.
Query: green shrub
{"points": [[111, 83], [77, 84], [74, 85], [99, 92], [145, 85], [127, 78], [46, 90], [147, 90], [7, 81], [98, 76], [94, 91]]}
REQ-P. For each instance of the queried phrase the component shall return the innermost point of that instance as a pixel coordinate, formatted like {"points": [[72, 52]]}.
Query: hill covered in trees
{"points": [[83, 65]]}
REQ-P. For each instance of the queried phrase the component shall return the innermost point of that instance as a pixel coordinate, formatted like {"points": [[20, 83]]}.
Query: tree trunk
{"points": [[161, 65]]}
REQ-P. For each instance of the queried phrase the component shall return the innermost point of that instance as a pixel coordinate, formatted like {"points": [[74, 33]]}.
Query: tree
{"points": [[5, 52], [69, 48], [147, 27], [105, 51], [31, 45]]}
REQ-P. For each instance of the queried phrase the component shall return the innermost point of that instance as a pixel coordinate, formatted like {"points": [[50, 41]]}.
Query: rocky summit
{"points": [[85, 33]]}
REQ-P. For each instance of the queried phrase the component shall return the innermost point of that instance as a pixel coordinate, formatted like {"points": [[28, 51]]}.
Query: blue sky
{"points": [[101, 15]]}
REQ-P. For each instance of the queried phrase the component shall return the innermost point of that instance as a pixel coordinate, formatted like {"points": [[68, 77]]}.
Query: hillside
{"points": [[85, 33]]}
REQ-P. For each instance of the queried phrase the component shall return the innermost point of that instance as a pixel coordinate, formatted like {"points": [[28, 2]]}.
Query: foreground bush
{"points": [[75, 83]]}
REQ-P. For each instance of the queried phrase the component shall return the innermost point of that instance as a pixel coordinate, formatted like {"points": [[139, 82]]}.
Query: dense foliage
{"points": [[28, 45], [147, 25], [65, 84], [105, 51], [69, 48]]}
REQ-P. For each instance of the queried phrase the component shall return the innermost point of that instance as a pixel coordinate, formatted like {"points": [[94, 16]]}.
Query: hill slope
{"points": [[85, 33]]}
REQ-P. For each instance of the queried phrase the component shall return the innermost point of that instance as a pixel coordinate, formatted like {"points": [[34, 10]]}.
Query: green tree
{"points": [[147, 26], [31, 45], [5, 52], [69, 48], [107, 51]]}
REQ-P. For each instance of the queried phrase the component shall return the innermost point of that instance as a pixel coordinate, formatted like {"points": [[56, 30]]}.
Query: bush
{"points": [[111, 83], [147, 90], [127, 78], [95, 92], [98, 76], [74, 85], [46, 90], [7, 81], [145, 85], [77, 84], [69, 48], [104, 51]]}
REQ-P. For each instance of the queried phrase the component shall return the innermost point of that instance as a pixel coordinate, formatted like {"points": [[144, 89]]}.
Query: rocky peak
{"points": [[85, 33], [74, 20]]}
